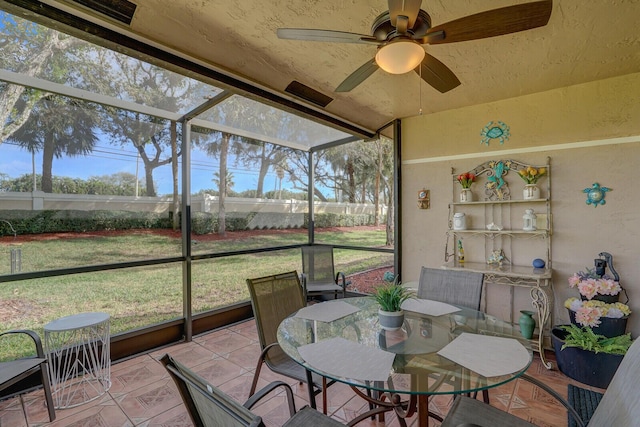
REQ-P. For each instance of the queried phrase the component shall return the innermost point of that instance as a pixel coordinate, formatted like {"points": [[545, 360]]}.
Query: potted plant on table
{"points": [[390, 298]]}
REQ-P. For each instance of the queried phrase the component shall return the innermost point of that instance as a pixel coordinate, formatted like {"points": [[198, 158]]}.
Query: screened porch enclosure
{"points": [[136, 187]]}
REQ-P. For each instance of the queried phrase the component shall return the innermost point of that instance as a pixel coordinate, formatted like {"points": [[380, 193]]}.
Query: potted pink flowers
{"points": [[590, 349], [591, 286], [598, 305]]}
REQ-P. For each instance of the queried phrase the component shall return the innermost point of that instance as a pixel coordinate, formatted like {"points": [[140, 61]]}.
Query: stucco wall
{"points": [[591, 132]]}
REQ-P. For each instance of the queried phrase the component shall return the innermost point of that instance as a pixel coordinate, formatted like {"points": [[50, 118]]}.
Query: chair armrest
{"points": [[35, 337], [556, 396], [260, 394], [340, 277]]}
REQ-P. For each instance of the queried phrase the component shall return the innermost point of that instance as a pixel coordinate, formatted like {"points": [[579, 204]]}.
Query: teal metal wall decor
{"points": [[499, 131], [595, 194]]}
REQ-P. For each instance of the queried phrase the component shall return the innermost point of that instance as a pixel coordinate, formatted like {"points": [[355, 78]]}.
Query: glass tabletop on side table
{"points": [[477, 351]]}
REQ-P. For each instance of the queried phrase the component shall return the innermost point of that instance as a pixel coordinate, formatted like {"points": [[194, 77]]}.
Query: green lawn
{"points": [[138, 297]]}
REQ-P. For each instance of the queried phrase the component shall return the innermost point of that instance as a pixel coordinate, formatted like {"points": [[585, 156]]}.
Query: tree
{"points": [[57, 126], [227, 184], [33, 50]]}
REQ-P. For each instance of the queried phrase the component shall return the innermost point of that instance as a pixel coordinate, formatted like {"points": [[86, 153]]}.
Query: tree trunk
{"points": [[351, 180], [376, 194], [262, 173], [222, 216], [148, 178], [174, 170], [47, 164], [390, 215]]}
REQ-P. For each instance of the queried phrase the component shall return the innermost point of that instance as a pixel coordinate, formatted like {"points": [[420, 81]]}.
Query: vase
{"points": [[527, 323], [390, 320], [609, 326], [531, 191], [594, 369], [466, 195]]}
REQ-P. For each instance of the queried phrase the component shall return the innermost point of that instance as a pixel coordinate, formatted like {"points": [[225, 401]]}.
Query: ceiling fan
{"points": [[401, 31]]}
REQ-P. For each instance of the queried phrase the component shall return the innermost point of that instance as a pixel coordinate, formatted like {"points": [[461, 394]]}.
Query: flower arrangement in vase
{"points": [[531, 175], [465, 180]]}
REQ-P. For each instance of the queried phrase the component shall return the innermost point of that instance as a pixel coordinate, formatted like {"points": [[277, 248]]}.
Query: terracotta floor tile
{"points": [[142, 393]]}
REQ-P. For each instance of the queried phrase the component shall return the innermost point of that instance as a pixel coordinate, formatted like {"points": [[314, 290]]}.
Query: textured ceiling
{"points": [[584, 41]]}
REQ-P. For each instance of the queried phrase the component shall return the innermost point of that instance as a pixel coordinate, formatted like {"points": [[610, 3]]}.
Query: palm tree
{"points": [[227, 185], [58, 126]]}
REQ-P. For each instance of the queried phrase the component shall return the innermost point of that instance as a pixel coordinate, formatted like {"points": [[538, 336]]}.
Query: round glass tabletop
{"points": [[463, 351]]}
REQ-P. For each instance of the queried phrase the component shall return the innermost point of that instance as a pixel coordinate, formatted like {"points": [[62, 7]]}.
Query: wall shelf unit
{"points": [[495, 242]]}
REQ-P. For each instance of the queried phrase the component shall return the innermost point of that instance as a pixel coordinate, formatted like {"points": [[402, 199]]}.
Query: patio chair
{"points": [[619, 406], [461, 288], [210, 407], [273, 298], [23, 375], [318, 272]]}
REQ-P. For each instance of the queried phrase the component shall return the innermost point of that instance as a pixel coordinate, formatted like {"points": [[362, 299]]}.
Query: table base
{"points": [[403, 409], [79, 364]]}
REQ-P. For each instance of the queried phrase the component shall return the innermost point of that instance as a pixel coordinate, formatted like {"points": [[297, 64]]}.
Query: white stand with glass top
{"points": [[78, 353]]}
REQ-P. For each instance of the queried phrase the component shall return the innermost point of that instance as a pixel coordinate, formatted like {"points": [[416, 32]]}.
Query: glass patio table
{"points": [[464, 351]]}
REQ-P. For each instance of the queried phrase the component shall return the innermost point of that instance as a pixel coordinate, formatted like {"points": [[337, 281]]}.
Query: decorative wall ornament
{"points": [[423, 199], [499, 131], [496, 187], [595, 194]]}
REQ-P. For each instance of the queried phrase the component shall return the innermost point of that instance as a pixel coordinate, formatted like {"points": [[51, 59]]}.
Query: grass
{"points": [[138, 297]]}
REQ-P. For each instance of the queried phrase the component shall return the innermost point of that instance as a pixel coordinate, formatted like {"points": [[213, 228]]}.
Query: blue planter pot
{"points": [[608, 327], [584, 366]]}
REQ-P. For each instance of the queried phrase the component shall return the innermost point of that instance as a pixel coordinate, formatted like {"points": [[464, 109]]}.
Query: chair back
{"points": [[620, 405], [207, 405], [461, 288], [317, 264], [274, 298]]}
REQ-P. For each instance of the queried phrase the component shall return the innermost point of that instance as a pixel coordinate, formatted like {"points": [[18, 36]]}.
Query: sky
{"points": [[109, 159]]}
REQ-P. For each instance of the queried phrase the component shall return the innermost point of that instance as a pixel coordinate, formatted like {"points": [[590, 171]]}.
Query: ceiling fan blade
{"points": [[494, 22], [358, 76], [324, 36], [408, 8], [437, 74]]}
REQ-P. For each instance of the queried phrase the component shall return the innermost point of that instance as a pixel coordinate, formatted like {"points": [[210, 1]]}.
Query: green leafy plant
{"points": [[586, 339], [390, 297]]}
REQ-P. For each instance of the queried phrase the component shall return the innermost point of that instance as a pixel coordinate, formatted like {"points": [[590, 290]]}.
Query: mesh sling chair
{"points": [[273, 298], [461, 288], [619, 406], [20, 376], [209, 407], [318, 272]]}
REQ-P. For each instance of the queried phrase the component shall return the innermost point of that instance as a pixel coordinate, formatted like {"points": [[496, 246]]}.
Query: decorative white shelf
{"points": [[494, 178]]}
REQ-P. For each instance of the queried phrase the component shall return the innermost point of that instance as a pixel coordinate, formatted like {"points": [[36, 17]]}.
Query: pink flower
{"points": [[588, 288], [574, 280], [588, 316], [609, 287]]}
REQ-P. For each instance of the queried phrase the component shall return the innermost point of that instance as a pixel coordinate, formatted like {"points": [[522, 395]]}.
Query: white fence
{"points": [[39, 200]]}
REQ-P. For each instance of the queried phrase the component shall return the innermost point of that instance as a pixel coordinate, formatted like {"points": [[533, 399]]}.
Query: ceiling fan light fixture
{"points": [[400, 57]]}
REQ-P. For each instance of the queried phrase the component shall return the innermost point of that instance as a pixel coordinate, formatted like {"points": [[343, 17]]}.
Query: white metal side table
{"points": [[78, 350]]}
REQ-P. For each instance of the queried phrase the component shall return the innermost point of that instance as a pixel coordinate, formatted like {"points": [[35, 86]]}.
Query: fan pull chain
{"points": [[420, 89]]}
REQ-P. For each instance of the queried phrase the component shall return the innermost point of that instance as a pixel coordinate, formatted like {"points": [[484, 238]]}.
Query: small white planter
{"points": [[390, 320]]}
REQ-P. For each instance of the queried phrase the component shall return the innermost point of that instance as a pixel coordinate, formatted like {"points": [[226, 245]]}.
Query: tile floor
{"points": [[142, 393]]}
